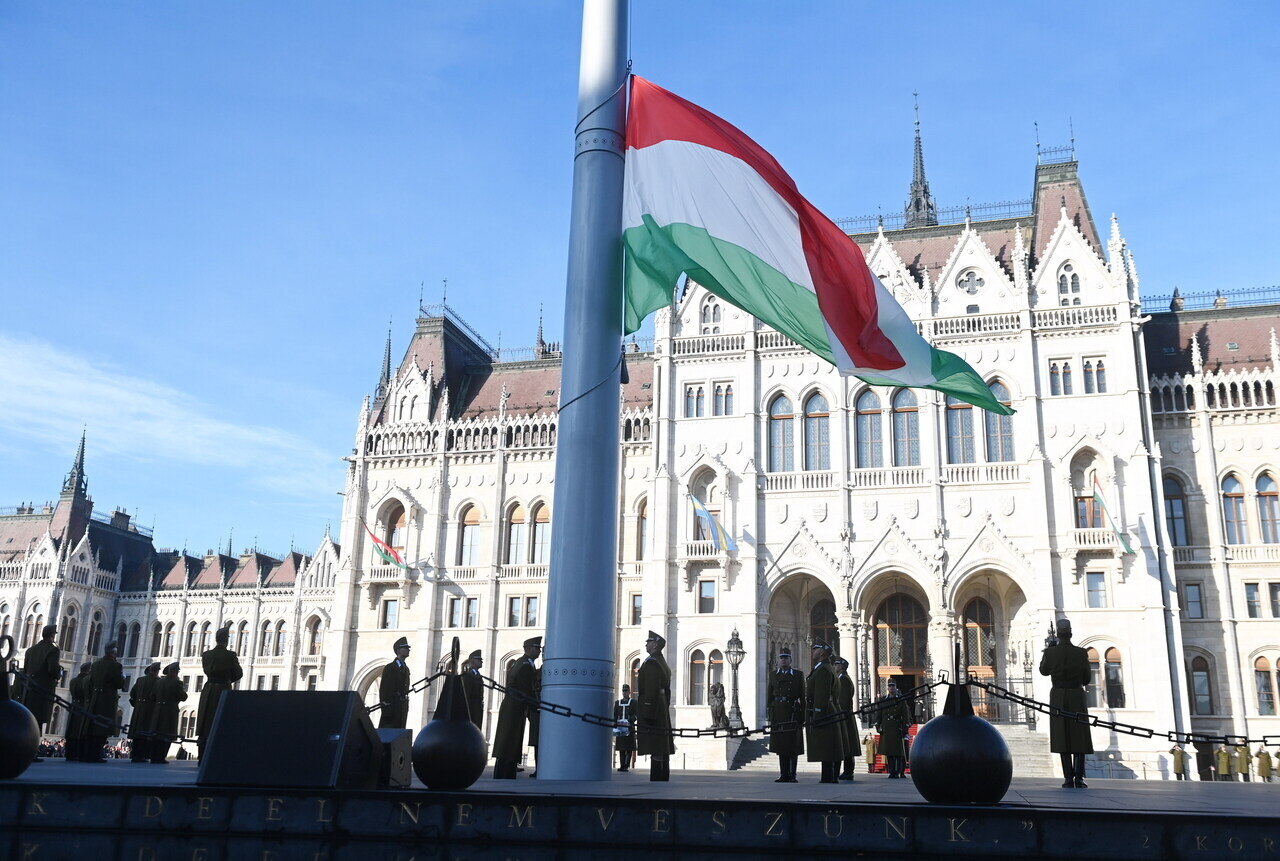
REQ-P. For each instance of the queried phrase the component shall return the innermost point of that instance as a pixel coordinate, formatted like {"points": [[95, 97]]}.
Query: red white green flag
{"points": [[1100, 501], [703, 199], [385, 551]]}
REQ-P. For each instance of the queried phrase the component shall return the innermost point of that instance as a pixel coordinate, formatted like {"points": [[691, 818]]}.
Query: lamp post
{"points": [[735, 653]]}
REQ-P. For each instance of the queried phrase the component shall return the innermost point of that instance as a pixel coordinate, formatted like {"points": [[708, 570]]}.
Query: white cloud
{"points": [[48, 394]]}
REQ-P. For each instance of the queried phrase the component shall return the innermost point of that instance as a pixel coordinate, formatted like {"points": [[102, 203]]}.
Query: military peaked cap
{"points": [[836, 659], [86, 666], [818, 644], [475, 656], [653, 635], [110, 648], [403, 641], [153, 667], [785, 653], [172, 669], [533, 641]]}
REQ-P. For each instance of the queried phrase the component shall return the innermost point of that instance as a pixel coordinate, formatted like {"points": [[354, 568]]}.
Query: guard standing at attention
{"points": [[106, 681], [221, 671], [1223, 761], [520, 698], [473, 687], [844, 701], [1242, 762], [653, 712], [624, 716], [393, 689], [76, 723], [786, 709], [893, 719], [170, 693], [42, 664], [143, 699], [1179, 762], [1264, 764], [824, 735], [1068, 665]]}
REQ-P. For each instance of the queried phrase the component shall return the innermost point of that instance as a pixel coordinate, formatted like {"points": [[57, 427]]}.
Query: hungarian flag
{"points": [[1111, 521], [703, 199], [385, 551]]}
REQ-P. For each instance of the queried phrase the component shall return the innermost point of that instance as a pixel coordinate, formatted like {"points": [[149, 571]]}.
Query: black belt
{"points": [[1068, 687]]}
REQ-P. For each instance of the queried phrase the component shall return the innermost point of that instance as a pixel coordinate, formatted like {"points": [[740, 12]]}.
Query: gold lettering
{"points": [[464, 815], [1234, 844], [521, 819], [717, 817], [899, 828], [826, 824], [774, 822], [324, 802], [273, 809], [660, 823], [1200, 847], [957, 836], [151, 810], [37, 804], [605, 823], [407, 812], [203, 805]]}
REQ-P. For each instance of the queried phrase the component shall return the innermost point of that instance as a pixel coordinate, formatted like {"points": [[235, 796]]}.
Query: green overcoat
{"points": [[474, 690], [393, 693], [42, 664], [143, 700], [79, 689], [221, 671], [106, 681], [521, 696], [844, 701], [1068, 665], [169, 695], [824, 741], [786, 706], [653, 708], [893, 719]]}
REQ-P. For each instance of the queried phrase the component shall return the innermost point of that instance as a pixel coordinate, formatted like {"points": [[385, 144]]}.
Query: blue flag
{"points": [[720, 538]]}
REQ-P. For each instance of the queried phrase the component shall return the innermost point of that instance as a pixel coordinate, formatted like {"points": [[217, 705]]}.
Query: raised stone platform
{"points": [[146, 812]]}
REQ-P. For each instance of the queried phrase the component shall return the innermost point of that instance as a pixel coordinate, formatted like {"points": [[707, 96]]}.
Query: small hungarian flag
{"points": [[1111, 521], [720, 537], [385, 551], [703, 199]]}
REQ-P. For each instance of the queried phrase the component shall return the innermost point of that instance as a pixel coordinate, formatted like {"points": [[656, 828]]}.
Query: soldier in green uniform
{"points": [[1180, 762], [1264, 764], [824, 737], [44, 671], [1068, 666], [520, 698], [106, 681], [653, 711], [169, 695], [393, 689], [786, 707], [893, 719], [473, 687], [1242, 762], [143, 699], [624, 736], [844, 701], [221, 671], [1223, 761], [79, 689]]}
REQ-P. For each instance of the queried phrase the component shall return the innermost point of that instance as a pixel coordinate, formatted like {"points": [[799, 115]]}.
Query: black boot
{"points": [[830, 768], [659, 769], [795, 763], [784, 769], [846, 773], [1068, 771], [1079, 771]]}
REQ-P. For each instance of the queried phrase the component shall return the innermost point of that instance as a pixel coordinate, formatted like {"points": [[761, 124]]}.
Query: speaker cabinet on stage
{"points": [[397, 758], [320, 739]]}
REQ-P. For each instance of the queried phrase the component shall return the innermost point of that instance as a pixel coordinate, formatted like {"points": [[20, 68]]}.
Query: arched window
{"points": [[1091, 691], [697, 678], [1067, 387], [690, 401], [1201, 686], [781, 435], [6, 621], [518, 536], [1175, 512], [413, 406], [157, 640], [979, 637], [715, 668], [823, 624], [635, 673], [279, 639], [542, 534], [31, 631], [469, 536], [1088, 376], [817, 440], [902, 639], [204, 638], [1268, 509], [1100, 376], [999, 428], [1064, 282], [1233, 511], [728, 400], [189, 649], [1265, 686], [642, 529], [242, 638], [959, 431], [122, 637], [718, 408], [715, 313], [867, 434], [67, 634], [94, 646], [700, 402], [1115, 680], [393, 528], [1055, 379], [313, 635], [168, 640], [135, 634], [264, 641], [906, 429]]}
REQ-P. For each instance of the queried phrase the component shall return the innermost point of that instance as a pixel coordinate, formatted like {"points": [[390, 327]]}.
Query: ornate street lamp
{"points": [[735, 653]]}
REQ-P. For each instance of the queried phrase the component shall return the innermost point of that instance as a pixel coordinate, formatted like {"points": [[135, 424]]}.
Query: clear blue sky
{"points": [[209, 210]]}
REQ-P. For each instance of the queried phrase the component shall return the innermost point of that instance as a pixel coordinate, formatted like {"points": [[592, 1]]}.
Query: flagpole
{"points": [[579, 669]]}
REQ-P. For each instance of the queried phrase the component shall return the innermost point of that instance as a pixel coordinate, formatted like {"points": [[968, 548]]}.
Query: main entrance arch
{"points": [[901, 643], [801, 610]]}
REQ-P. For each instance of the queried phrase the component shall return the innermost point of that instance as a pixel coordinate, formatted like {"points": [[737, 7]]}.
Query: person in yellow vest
{"points": [[1179, 762], [1242, 762], [1223, 761], [1264, 764]]}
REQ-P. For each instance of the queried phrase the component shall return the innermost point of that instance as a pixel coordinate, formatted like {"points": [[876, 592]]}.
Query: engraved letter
{"points": [[1200, 847], [774, 828], [521, 819], [273, 809], [717, 818], [36, 807], [151, 806], [410, 813], [1268, 845], [146, 853], [605, 823], [826, 824], [203, 803], [1234, 844], [899, 828], [660, 823], [29, 849], [957, 836], [464, 815], [324, 802], [200, 854]]}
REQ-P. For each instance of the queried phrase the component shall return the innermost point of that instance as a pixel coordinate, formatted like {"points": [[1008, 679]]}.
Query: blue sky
{"points": [[210, 210]]}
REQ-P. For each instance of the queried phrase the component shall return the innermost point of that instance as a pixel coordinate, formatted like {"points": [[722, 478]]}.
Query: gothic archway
{"points": [[901, 642], [801, 609]]}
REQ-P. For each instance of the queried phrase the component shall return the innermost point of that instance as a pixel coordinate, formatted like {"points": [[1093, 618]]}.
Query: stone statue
{"points": [[715, 698]]}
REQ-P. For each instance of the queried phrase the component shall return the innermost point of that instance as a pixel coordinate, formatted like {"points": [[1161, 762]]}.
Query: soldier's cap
{"points": [[1063, 627], [403, 641], [839, 660], [111, 647], [86, 666], [222, 634], [153, 667], [785, 653], [533, 641], [654, 636], [626, 687], [475, 656], [48, 631], [172, 669], [819, 644]]}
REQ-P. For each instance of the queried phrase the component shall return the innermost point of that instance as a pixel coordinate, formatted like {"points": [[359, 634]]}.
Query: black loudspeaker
{"points": [[321, 739], [397, 758]]}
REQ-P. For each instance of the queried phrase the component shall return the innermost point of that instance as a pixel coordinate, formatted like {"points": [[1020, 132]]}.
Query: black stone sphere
{"points": [[19, 732], [450, 752], [959, 758]]}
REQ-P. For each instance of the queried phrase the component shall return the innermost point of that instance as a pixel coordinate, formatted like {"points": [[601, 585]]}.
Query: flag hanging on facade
{"points": [[720, 537], [385, 551], [703, 199], [1111, 521]]}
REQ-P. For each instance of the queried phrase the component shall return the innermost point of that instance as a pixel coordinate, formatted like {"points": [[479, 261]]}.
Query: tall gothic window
{"points": [[1092, 690], [517, 536], [67, 636], [156, 634], [189, 649], [718, 407], [1055, 379], [781, 435], [817, 441], [902, 638], [700, 402], [313, 635], [999, 428], [906, 428], [1175, 512], [541, 535], [697, 678], [1115, 679], [169, 631], [94, 646], [728, 399], [642, 529], [959, 431], [1233, 511], [1265, 687], [1201, 686], [242, 639], [279, 639], [1088, 376], [1100, 376], [1268, 509], [979, 636], [135, 634], [469, 536], [867, 433], [394, 528], [204, 638], [1067, 387], [690, 401]]}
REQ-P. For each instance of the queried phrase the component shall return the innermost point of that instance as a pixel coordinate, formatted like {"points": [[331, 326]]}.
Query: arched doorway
{"points": [[801, 610], [998, 643], [901, 642]]}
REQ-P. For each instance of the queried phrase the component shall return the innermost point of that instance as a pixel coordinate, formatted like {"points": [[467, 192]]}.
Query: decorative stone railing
{"points": [[893, 476], [462, 572], [700, 550], [981, 473], [388, 574], [1074, 317], [799, 481], [1253, 552], [523, 572], [1094, 539], [972, 324], [702, 344], [1190, 555]]}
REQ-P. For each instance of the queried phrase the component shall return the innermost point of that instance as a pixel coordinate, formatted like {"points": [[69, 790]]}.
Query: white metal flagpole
{"points": [[579, 670]]}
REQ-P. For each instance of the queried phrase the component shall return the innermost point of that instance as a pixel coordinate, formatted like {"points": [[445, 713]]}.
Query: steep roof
{"points": [[19, 533], [929, 248], [534, 387], [286, 572], [1168, 339]]}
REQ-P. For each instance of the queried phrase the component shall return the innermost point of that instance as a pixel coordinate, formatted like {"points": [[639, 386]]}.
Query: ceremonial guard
{"points": [[824, 735], [844, 701], [393, 689], [221, 671], [473, 687], [1180, 762], [106, 681], [170, 693], [520, 699], [143, 699], [43, 668], [1068, 665], [1264, 764], [893, 719], [1242, 762], [624, 733], [653, 709], [786, 706], [76, 724], [1222, 760]]}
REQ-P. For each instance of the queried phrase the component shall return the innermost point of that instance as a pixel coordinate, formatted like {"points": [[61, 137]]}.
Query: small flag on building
{"points": [[720, 537], [1111, 521], [385, 551]]}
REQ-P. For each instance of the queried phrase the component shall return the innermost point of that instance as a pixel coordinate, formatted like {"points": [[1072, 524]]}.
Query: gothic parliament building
{"points": [[893, 523]]}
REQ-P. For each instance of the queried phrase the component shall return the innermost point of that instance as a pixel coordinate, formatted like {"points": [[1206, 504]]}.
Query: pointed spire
{"points": [[384, 381], [540, 346], [1116, 239], [1176, 303], [75, 482], [1275, 351], [1021, 278], [1197, 363], [920, 210]]}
